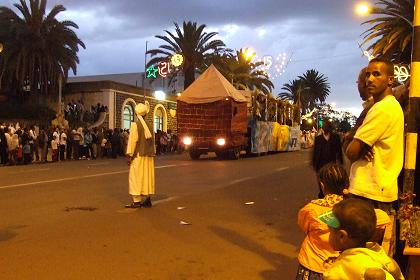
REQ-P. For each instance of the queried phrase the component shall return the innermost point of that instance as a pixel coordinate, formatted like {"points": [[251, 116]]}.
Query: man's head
{"points": [[379, 78], [327, 127], [352, 223], [361, 85]]}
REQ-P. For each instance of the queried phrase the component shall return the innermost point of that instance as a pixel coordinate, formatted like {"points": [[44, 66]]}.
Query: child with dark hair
{"points": [[316, 252], [352, 223], [315, 249]]}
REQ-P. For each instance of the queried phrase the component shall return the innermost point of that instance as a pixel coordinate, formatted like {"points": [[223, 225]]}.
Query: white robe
{"points": [[141, 178]]}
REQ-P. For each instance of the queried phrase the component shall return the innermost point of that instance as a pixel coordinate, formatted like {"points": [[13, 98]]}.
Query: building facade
{"points": [[120, 100]]}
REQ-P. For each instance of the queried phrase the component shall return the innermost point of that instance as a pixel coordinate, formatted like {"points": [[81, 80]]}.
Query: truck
{"points": [[214, 116]]}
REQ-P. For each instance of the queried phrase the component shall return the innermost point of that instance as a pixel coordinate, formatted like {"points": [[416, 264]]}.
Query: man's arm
{"points": [[357, 149]]}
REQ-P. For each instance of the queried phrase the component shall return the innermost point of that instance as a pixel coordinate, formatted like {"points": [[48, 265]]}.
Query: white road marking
{"points": [[282, 168], [77, 177], [240, 180]]}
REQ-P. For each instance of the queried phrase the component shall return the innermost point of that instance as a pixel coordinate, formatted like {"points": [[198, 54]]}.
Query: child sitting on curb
{"points": [[315, 251], [352, 223]]}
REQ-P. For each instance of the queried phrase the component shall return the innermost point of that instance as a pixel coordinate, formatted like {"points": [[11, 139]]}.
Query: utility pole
{"points": [[413, 120], [144, 74]]}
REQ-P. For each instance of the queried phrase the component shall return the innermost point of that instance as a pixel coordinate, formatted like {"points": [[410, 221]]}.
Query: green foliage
{"points": [[192, 42], [29, 111], [307, 90], [391, 34], [38, 49], [241, 72]]}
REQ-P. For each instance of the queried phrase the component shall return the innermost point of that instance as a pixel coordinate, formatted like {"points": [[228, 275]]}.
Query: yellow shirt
{"points": [[315, 250], [383, 130]]}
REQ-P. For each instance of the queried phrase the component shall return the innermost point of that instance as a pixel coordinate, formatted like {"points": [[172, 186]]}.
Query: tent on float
{"points": [[210, 87]]}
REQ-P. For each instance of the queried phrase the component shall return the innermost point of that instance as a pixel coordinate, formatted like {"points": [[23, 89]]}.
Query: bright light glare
{"points": [[1, 47], [160, 95], [221, 141], [363, 9], [249, 54], [187, 140], [309, 120]]}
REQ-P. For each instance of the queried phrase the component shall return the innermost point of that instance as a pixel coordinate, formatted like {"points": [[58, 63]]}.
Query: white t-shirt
{"points": [[63, 139], [383, 130]]}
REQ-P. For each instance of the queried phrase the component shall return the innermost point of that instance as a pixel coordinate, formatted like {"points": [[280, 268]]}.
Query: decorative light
{"points": [[1, 47], [160, 95], [178, 94], [401, 73], [164, 69], [151, 71], [177, 60]]}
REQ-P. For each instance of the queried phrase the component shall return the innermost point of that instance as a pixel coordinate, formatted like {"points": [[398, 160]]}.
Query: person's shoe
{"points": [[134, 205], [147, 203]]}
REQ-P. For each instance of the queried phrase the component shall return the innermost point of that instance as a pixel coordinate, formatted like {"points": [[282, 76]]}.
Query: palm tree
{"points": [[306, 90], [317, 88], [294, 91], [242, 72], [391, 33], [192, 42], [38, 49]]}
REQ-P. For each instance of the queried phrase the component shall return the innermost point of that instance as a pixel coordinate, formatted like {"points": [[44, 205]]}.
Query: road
{"points": [[211, 219]]}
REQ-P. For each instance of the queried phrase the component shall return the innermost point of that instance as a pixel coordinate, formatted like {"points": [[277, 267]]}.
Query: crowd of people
{"points": [[20, 144], [344, 226]]}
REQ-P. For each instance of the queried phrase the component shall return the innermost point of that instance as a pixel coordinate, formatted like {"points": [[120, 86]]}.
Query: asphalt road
{"points": [[211, 219]]}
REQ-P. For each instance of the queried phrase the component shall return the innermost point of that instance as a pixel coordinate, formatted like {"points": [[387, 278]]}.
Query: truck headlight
{"points": [[187, 140], [221, 141]]}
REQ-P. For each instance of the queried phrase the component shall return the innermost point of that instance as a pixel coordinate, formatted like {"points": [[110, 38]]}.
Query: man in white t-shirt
{"points": [[377, 150]]}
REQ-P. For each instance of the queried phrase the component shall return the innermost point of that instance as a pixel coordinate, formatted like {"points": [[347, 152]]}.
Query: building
{"points": [[120, 93]]}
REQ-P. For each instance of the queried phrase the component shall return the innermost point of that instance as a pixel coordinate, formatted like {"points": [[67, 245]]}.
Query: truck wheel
{"points": [[194, 155], [235, 153]]}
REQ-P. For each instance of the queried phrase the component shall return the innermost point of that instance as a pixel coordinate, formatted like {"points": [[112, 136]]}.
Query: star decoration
{"points": [[151, 71]]}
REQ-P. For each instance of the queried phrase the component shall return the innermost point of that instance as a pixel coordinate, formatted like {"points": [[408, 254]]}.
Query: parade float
{"points": [[213, 116]]}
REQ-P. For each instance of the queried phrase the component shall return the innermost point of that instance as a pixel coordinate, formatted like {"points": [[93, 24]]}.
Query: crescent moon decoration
{"points": [[177, 60], [368, 55], [1, 47], [401, 73]]}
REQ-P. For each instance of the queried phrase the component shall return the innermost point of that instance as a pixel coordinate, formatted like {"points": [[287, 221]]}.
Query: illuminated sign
{"points": [[177, 60], [401, 73], [164, 69]]}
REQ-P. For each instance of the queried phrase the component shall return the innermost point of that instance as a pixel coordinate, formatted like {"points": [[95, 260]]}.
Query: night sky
{"points": [[314, 34]]}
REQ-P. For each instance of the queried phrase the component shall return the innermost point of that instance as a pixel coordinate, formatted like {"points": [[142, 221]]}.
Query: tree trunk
{"points": [[189, 76]]}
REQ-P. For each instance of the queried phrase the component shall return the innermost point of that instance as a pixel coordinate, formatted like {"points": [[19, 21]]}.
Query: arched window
{"points": [[158, 119], [128, 116]]}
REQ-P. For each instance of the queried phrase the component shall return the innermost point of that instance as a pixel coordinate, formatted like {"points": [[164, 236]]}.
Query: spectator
{"points": [[54, 148], [63, 143], [27, 158], [327, 149], [43, 144], [352, 224], [376, 151]]}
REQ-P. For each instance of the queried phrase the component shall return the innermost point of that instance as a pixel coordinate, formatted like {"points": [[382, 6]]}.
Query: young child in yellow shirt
{"points": [[352, 223], [316, 253]]}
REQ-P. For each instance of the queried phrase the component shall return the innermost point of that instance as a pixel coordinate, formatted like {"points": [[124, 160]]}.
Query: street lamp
{"points": [[365, 9]]}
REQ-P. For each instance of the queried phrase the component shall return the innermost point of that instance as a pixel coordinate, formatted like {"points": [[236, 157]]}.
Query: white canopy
{"points": [[211, 86]]}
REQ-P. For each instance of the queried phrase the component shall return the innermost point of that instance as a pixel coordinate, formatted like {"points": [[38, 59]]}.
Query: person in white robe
{"points": [[140, 156]]}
